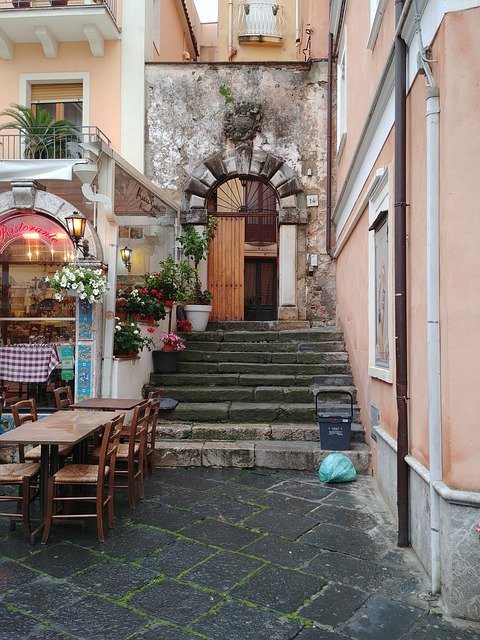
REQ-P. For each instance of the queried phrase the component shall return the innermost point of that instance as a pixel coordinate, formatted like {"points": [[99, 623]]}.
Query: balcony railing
{"points": [[111, 5], [37, 145], [258, 20]]}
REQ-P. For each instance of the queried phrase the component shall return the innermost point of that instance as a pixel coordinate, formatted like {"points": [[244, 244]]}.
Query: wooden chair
{"points": [[63, 398], [26, 411], [19, 474], [155, 398], [131, 455], [3, 397], [98, 476]]}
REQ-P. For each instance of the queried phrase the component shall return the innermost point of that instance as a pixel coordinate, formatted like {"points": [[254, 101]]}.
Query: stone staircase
{"points": [[246, 399]]}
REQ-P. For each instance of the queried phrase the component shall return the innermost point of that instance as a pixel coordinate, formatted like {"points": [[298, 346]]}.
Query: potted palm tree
{"points": [[42, 136], [195, 246]]}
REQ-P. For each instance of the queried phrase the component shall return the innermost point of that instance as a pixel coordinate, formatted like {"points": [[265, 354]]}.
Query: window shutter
{"points": [[56, 92]]}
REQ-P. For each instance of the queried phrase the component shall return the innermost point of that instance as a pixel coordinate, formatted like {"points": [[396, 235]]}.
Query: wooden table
{"points": [[60, 428], [108, 404]]}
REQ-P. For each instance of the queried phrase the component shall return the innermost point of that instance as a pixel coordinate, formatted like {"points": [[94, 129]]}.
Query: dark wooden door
{"points": [[260, 289]]}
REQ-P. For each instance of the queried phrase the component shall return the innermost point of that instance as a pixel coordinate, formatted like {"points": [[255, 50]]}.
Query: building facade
{"points": [[407, 265]]}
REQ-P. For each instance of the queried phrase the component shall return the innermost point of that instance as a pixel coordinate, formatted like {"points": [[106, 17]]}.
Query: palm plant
{"points": [[42, 135]]}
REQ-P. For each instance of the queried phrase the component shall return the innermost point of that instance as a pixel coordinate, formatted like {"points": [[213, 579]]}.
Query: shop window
{"points": [[33, 247], [380, 282]]}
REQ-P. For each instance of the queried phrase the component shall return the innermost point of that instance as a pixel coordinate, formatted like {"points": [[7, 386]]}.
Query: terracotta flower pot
{"points": [[168, 348]]}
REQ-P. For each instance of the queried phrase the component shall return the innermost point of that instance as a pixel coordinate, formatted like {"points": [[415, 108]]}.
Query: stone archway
{"points": [[245, 162]]}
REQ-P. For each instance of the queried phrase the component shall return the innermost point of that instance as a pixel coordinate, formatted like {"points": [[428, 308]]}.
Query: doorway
{"points": [[260, 289]]}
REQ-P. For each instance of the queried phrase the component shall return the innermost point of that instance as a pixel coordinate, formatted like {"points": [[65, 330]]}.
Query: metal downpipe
{"points": [[401, 283], [328, 220]]}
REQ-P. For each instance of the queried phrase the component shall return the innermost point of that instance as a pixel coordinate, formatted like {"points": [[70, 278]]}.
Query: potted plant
{"points": [[89, 284], [146, 304], [128, 340], [171, 281], [165, 360], [43, 137], [195, 246]]}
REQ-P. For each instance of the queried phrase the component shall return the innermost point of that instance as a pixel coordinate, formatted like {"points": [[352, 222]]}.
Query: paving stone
{"points": [[382, 618], [62, 560], [281, 552], [43, 597], [163, 516], [433, 627], [228, 454], [197, 479], [113, 579], [162, 632], [287, 504], [174, 602], [93, 618], [224, 509], [15, 625], [260, 479], [133, 542], [279, 589], [238, 492], [15, 548], [335, 605], [223, 571], [235, 620], [177, 557], [313, 633], [221, 534], [345, 517], [348, 541], [289, 525], [43, 631], [13, 574], [312, 491], [175, 496]]}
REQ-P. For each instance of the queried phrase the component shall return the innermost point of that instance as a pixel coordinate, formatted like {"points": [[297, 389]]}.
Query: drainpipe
{"points": [[401, 283], [297, 24], [328, 221], [231, 52], [433, 328]]}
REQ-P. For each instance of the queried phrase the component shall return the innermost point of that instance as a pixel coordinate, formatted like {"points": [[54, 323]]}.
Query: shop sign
{"points": [[9, 231], [132, 198]]}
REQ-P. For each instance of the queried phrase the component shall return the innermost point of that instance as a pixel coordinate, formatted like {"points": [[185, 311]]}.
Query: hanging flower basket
{"points": [[88, 284]]}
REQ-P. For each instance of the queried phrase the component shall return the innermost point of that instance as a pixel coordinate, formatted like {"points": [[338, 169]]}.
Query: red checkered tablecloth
{"points": [[27, 362]]}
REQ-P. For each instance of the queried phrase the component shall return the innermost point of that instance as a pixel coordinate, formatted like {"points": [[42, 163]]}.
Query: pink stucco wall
{"points": [[457, 75], [74, 57]]}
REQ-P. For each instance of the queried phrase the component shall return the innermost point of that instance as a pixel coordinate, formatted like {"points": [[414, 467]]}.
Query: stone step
{"points": [[307, 335], [265, 369], [257, 325], [244, 380], [231, 432], [254, 412], [256, 394], [337, 354], [247, 454]]}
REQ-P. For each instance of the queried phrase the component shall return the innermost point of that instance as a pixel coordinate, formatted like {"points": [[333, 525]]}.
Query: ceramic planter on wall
{"points": [[198, 314]]}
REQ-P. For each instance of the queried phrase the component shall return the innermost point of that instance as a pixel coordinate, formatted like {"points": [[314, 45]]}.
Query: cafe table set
{"points": [[87, 418]]}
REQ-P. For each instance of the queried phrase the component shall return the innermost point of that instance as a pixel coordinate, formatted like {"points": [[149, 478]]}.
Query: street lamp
{"points": [[76, 225], [126, 256]]}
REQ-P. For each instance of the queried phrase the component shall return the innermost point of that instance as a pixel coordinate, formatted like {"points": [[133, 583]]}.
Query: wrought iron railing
{"points": [[111, 5], [38, 145], [261, 19]]}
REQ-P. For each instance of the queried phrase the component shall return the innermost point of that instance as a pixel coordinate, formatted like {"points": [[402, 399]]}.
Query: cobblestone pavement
{"points": [[225, 555]]}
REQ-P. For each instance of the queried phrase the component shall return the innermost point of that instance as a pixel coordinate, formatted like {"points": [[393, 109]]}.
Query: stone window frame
{"points": [[380, 211]]}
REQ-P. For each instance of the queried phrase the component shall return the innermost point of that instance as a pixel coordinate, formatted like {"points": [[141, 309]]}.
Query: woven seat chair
{"points": [[131, 454], [97, 476], [63, 398], [26, 411], [19, 474], [155, 397]]}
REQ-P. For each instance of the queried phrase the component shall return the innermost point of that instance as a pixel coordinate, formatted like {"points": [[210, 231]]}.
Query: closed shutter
{"points": [[56, 92]]}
